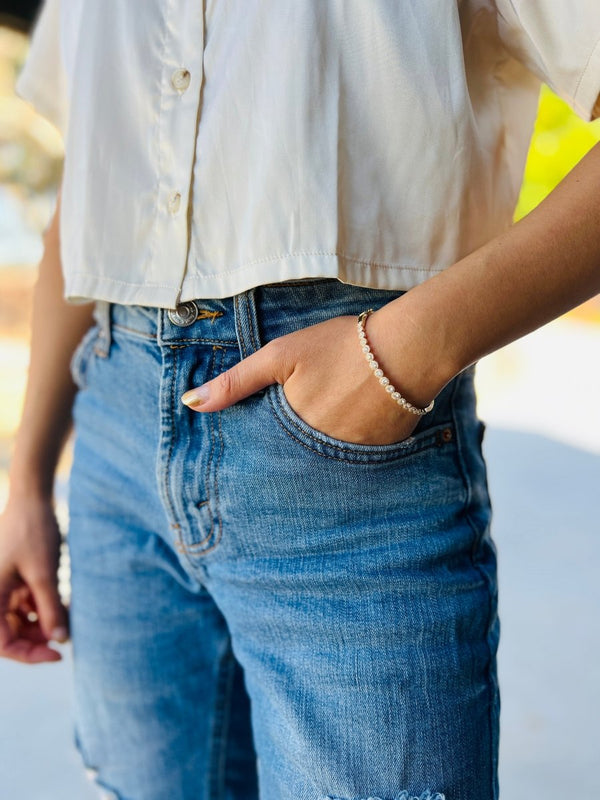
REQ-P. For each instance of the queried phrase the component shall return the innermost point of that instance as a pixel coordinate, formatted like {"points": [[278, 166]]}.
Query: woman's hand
{"points": [[326, 380], [31, 613]]}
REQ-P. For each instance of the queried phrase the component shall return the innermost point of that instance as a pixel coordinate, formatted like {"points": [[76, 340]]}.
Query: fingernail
{"points": [[195, 397], [60, 635]]}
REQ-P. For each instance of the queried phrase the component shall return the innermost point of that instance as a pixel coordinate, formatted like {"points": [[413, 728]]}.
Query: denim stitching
{"points": [[429, 439], [426, 795], [216, 478], [227, 342], [215, 510], [424, 444], [174, 525], [294, 253], [206, 313], [251, 322], [242, 338], [207, 538]]}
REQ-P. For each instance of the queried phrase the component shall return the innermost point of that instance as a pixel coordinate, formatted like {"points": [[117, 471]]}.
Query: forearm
{"points": [[544, 265], [57, 327]]}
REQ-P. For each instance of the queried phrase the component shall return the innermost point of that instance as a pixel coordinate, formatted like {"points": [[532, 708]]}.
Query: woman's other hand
{"points": [[31, 613]]}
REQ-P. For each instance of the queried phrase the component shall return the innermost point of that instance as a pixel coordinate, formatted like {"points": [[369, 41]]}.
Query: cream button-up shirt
{"points": [[216, 145]]}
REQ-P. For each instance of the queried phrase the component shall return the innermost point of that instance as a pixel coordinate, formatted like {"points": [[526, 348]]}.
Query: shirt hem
{"points": [[82, 287]]}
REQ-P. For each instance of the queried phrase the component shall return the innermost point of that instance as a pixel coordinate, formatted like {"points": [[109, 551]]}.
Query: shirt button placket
{"points": [[180, 81]]}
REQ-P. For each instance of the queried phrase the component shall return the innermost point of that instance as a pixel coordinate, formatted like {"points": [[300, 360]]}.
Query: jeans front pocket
{"points": [[437, 434]]}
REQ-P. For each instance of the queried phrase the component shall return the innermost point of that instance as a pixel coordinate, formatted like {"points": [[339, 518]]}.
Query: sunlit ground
{"points": [[541, 399]]}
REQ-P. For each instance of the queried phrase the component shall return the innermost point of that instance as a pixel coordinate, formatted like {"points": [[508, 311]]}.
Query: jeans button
{"points": [[185, 314]]}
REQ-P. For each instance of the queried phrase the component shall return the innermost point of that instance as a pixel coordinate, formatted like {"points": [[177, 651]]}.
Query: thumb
{"points": [[247, 377], [51, 613]]}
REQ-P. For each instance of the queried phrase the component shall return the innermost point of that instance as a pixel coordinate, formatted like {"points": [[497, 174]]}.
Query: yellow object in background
{"points": [[560, 140]]}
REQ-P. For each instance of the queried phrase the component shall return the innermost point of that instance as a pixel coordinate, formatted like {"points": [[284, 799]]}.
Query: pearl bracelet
{"points": [[378, 372]]}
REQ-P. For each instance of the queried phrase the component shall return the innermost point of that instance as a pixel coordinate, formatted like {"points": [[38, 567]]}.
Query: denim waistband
{"points": [[247, 320]]}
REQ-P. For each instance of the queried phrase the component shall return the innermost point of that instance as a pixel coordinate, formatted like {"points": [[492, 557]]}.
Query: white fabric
{"points": [[376, 141]]}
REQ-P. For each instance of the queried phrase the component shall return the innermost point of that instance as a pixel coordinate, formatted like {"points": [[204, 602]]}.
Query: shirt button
{"points": [[180, 80], [174, 202]]}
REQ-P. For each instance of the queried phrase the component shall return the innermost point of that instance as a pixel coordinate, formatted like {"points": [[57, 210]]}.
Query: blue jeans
{"points": [[258, 609]]}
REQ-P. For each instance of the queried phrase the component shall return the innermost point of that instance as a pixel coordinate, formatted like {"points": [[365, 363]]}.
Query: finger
{"points": [[253, 373], [6, 633], [51, 612], [22, 641], [29, 652]]}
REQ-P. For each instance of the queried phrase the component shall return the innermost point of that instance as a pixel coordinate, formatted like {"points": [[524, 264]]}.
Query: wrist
{"points": [[31, 482], [413, 349]]}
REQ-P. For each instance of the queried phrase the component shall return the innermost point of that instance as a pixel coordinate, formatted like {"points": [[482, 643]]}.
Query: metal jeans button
{"points": [[185, 314]]}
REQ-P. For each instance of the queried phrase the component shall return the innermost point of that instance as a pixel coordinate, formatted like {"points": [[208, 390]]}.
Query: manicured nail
{"points": [[195, 397], [60, 635]]}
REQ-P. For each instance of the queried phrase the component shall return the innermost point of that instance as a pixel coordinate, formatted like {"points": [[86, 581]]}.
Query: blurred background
{"points": [[540, 398]]}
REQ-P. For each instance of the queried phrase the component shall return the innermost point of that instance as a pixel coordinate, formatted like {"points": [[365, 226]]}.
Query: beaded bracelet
{"points": [[378, 372]]}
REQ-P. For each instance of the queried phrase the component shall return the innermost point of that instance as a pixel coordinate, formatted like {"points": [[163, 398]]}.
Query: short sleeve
{"points": [[43, 81], [559, 42]]}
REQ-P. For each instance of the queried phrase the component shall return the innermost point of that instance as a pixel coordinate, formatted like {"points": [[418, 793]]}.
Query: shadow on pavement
{"points": [[547, 530]]}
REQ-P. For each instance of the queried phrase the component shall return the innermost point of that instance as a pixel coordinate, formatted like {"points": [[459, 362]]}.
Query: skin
{"points": [[29, 534], [544, 265]]}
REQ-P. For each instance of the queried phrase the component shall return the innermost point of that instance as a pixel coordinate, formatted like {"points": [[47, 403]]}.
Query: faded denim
{"points": [[244, 584]]}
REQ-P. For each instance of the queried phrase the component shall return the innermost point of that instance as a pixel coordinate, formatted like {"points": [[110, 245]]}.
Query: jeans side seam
{"points": [[483, 575]]}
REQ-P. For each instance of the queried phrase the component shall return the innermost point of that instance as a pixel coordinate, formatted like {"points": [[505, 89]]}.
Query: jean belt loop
{"points": [[102, 317], [246, 322]]}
